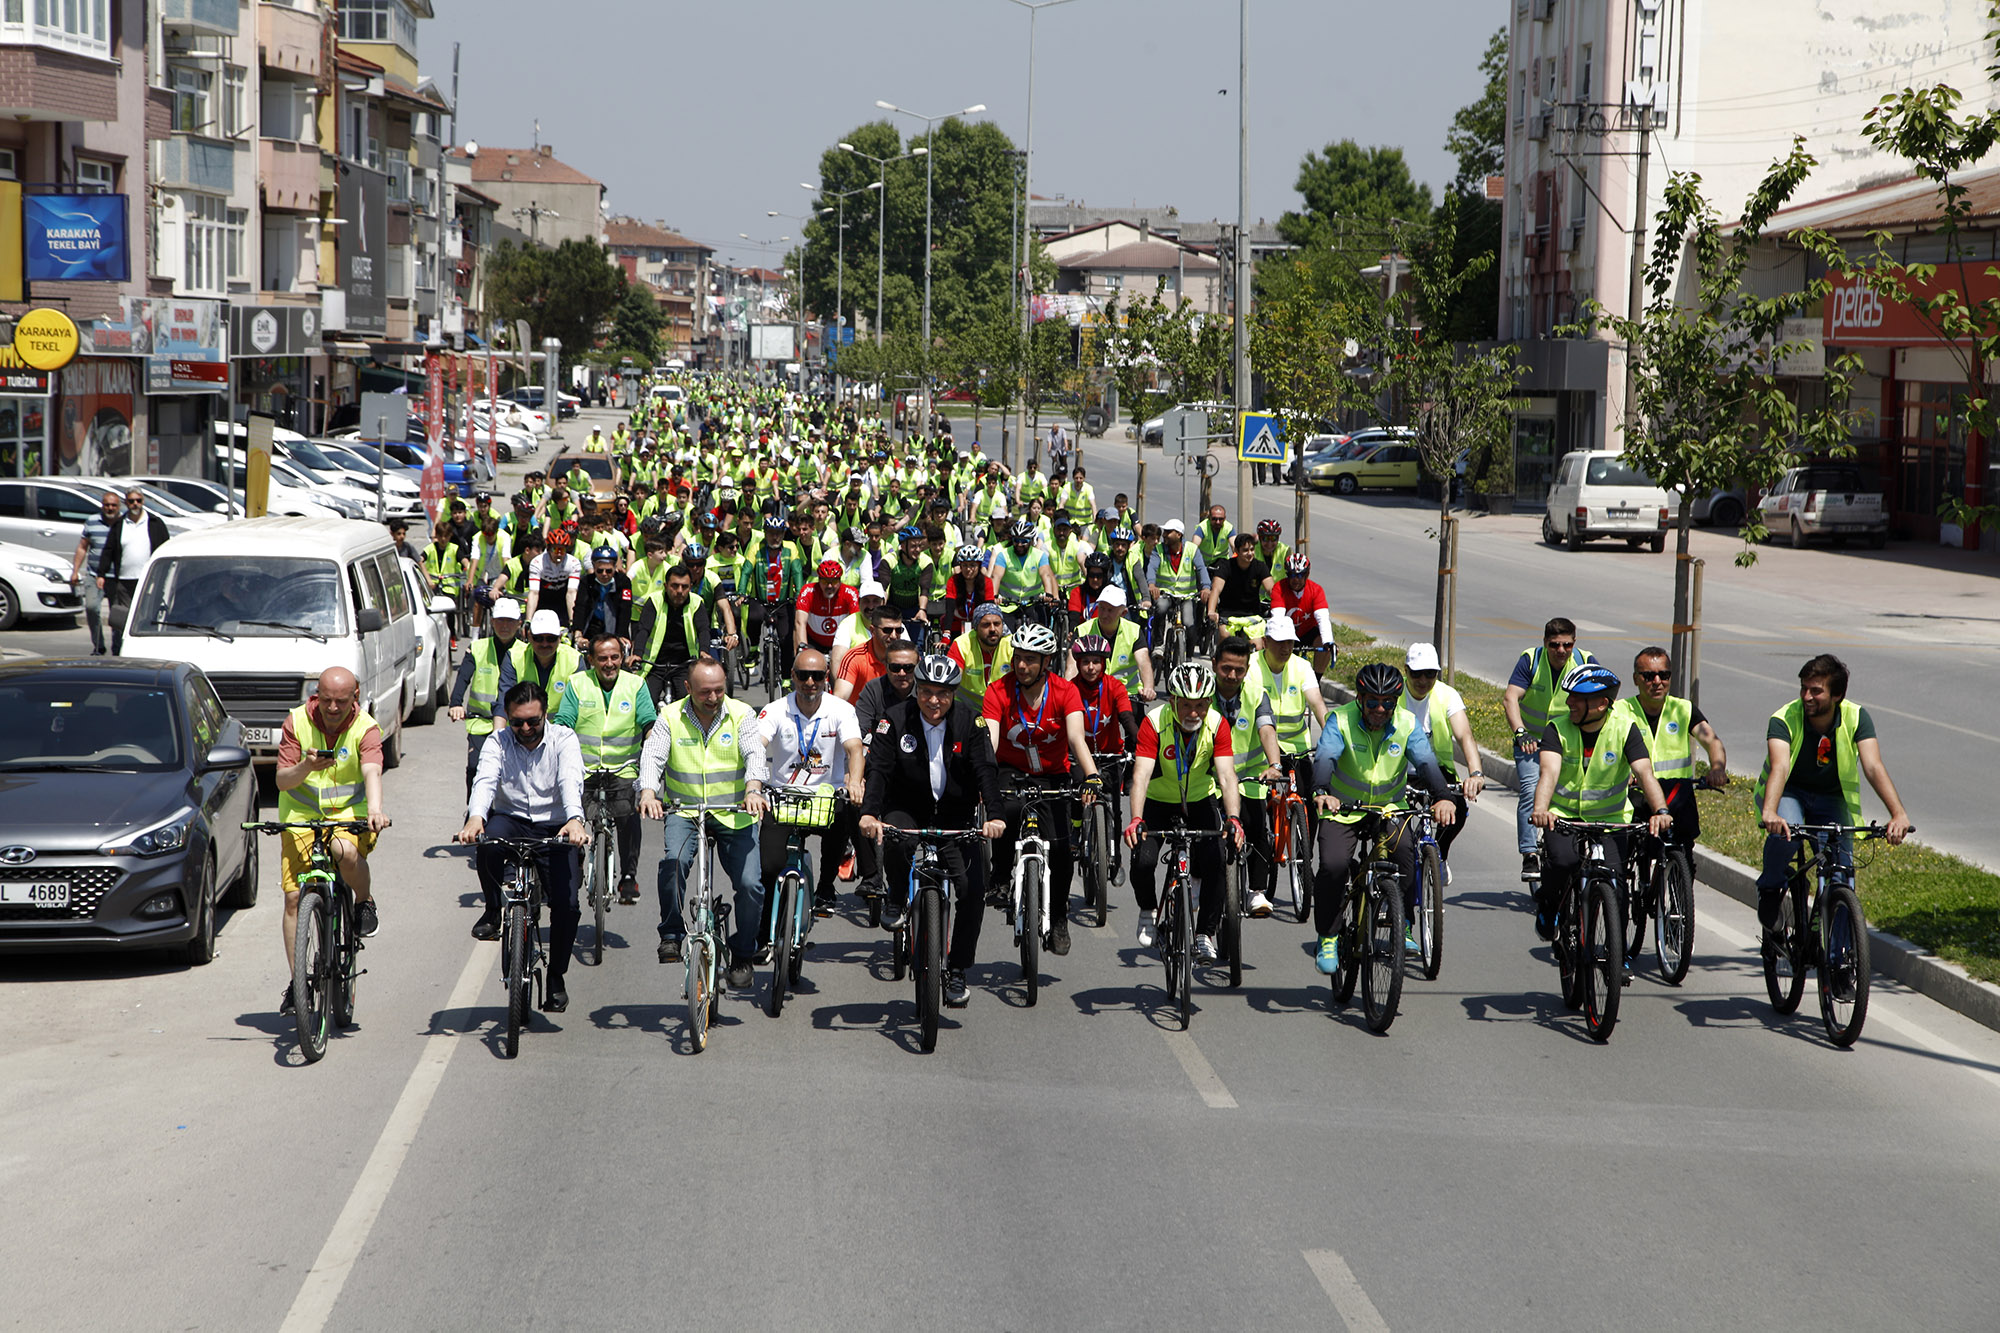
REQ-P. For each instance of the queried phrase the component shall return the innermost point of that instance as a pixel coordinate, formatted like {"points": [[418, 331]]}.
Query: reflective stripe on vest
{"points": [[1174, 781], [708, 771], [659, 639], [1177, 582], [608, 729], [444, 566], [1020, 576], [1670, 745], [1372, 769], [1215, 543], [340, 792], [1594, 789], [1846, 751]]}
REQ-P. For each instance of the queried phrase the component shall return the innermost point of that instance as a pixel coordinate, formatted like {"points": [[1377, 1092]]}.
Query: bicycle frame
{"points": [[599, 890], [792, 907], [704, 922]]}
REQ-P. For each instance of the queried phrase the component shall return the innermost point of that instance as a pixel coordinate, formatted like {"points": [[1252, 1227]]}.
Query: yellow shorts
{"points": [[298, 852]]}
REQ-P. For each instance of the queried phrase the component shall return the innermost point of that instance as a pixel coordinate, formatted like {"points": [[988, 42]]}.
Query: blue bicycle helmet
{"points": [[1590, 680]]}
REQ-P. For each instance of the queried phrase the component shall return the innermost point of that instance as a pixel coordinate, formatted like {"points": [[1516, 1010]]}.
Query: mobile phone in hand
{"points": [[324, 754]]}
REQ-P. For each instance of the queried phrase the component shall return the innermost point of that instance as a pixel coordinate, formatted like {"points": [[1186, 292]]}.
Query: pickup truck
{"points": [[1825, 500]]}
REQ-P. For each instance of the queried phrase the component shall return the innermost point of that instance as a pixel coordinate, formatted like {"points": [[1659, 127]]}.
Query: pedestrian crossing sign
{"points": [[1260, 438]]}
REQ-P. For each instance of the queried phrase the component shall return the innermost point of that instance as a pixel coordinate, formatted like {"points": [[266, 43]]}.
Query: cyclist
{"points": [[1305, 602], [1067, 553], [810, 739], [1293, 690], [1175, 580], [907, 574], [1076, 497], [1244, 703], [1271, 548], [553, 579], [1670, 727], [549, 661], [485, 674], [1529, 702], [1081, 601], [444, 565], [1034, 719], [968, 587], [610, 710], [530, 785], [1215, 536], [1439, 712], [330, 767], [1240, 591], [604, 605], [983, 652], [492, 547], [1108, 723], [870, 659], [704, 751], [1366, 754], [1589, 760], [1020, 570], [1182, 759], [1130, 663], [671, 634], [1818, 747], [817, 612]]}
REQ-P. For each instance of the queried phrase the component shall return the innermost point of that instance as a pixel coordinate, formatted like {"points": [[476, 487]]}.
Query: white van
{"points": [[263, 606], [1600, 494]]}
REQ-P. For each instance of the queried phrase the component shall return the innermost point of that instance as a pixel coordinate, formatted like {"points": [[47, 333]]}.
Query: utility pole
{"points": [[1636, 297], [1245, 516], [1034, 8]]}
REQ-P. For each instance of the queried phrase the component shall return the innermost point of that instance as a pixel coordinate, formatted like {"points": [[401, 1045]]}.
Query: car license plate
{"points": [[260, 735], [35, 893], [1850, 527], [1622, 513]]}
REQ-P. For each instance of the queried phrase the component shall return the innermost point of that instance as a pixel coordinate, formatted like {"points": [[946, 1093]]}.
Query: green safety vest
{"points": [[1215, 542], [1287, 693], [1079, 501], [482, 692], [985, 501], [1373, 769], [1178, 582], [445, 566], [646, 576], [1597, 790], [1020, 576], [1123, 664], [503, 546], [1435, 725], [709, 770], [1068, 563], [906, 580], [1243, 738], [1032, 486], [1671, 745], [1178, 776], [340, 792], [568, 662], [978, 672], [607, 727], [1846, 751], [1538, 703], [659, 639]]}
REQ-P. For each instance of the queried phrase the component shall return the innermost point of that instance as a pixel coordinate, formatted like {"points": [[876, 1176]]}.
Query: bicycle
{"points": [[919, 942], [705, 919], [802, 810], [603, 869], [1028, 904], [1101, 822], [771, 652], [1662, 887], [1371, 931], [1830, 933], [1589, 940], [1426, 903], [521, 955], [1174, 929], [1291, 838], [326, 941], [1177, 641]]}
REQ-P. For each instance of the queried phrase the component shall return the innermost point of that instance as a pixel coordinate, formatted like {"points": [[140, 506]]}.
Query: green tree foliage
{"points": [[1478, 133], [1477, 137], [568, 292], [636, 325], [1346, 183], [1156, 349]]}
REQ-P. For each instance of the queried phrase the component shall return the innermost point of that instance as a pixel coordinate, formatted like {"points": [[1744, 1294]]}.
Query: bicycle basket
{"points": [[814, 811]]}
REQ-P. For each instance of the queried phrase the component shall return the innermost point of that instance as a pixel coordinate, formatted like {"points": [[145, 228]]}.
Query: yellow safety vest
{"points": [[1436, 726], [1846, 751], [1183, 771], [482, 692], [607, 726], [979, 672], [1287, 692], [1596, 790], [340, 792], [709, 770], [1538, 702], [1373, 769], [1671, 744], [445, 566]]}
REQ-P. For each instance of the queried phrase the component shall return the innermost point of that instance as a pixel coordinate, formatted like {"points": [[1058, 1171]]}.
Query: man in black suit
{"points": [[929, 764]]}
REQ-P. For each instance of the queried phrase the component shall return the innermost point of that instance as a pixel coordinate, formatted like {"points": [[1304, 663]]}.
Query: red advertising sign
{"points": [[492, 414], [1857, 317], [471, 443], [431, 483]]}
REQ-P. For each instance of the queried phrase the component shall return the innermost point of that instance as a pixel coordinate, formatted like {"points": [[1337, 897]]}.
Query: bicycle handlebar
{"points": [[1586, 826], [277, 826], [523, 844], [1864, 830], [937, 837]]}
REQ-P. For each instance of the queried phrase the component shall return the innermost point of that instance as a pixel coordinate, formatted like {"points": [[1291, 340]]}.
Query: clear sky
{"points": [[706, 113]]}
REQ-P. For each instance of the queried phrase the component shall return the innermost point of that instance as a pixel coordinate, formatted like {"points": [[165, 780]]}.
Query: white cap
{"points": [[1173, 525], [870, 588], [506, 609], [1422, 657], [1111, 595], [545, 621], [1281, 628]]}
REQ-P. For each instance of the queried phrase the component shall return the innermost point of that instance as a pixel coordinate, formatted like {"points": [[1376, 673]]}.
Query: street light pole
{"points": [[1034, 8], [1245, 515], [881, 215], [804, 240]]}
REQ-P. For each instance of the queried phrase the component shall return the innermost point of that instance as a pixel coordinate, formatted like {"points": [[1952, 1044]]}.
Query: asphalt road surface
{"points": [[170, 1164]]}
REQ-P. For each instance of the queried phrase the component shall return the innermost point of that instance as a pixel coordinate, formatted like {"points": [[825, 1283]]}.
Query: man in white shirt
{"points": [[127, 548], [813, 740], [530, 785], [1432, 702]]}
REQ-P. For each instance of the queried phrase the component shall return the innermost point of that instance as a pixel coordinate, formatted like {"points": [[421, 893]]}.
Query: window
{"points": [[95, 177], [1114, 282], [191, 88], [83, 26], [235, 101], [1520, 96], [236, 235], [398, 592], [8, 170], [1583, 73], [379, 21], [207, 248]]}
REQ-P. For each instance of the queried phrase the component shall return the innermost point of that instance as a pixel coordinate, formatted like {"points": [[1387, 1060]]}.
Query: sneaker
{"points": [[487, 927], [670, 949], [893, 911], [1204, 949], [1146, 922], [1328, 960], [628, 890], [823, 904], [1259, 904], [365, 919], [1059, 935], [1545, 923], [1410, 941], [847, 867], [285, 1005], [1531, 864], [763, 958], [1447, 874], [956, 992], [740, 975]]}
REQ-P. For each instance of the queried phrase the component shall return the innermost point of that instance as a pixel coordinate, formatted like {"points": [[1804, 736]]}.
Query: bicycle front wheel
{"points": [[1382, 946], [781, 942], [312, 969], [1603, 959], [1183, 948], [930, 966], [514, 936], [1236, 889], [1430, 912], [601, 889], [1784, 978], [1673, 919], [1029, 927], [1843, 968], [1301, 863], [1097, 862], [700, 979]]}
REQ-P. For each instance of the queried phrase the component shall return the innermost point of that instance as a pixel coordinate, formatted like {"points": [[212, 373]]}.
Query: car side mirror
{"points": [[225, 756], [368, 620]]}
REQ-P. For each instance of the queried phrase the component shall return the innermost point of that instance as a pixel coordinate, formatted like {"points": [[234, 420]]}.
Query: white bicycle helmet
{"points": [[1035, 638], [1191, 680], [937, 669]]}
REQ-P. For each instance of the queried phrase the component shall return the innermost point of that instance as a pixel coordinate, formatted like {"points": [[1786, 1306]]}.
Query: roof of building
{"points": [[1910, 203], [630, 233], [523, 165], [477, 196], [1069, 215], [1155, 255]]}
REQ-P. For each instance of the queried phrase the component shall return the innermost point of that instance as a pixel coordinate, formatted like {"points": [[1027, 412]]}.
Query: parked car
{"points": [[531, 396], [1394, 464], [598, 467], [411, 458], [48, 513], [1723, 507], [1829, 500], [127, 785], [197, 492], [34, 583], [431, 685], [403, 497], [1597, 494], [179, 518], [267, 604]]}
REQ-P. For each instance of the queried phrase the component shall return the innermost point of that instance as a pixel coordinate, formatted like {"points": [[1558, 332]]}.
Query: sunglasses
{"points": [[548, 638], [1655, 675], [524, 723], [809, 675], [1561, 646], [900, 668], [1370, 701]]}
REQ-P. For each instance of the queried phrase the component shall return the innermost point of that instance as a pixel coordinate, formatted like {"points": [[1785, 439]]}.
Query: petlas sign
{"points": [[1854, 316], [75, 238]]}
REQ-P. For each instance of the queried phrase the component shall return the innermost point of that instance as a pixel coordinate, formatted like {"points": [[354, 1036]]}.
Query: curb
{"points": [[1890, 955]]}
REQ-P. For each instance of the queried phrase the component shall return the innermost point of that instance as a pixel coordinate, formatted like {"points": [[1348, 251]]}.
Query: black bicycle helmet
{"points": [[937, 669], [1379, 678], [1097, 562], [1270, 527]]}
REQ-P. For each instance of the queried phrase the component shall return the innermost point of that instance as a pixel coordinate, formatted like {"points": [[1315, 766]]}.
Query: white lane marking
{"points": [[1350, 1302], [315, 1301], [1743, 631], [1592, 627], [1200, 1072]]}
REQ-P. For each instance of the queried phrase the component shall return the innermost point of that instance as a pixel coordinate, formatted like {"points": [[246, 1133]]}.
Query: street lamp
{"points": [[882, 220], [1034, 8], [929, 171], [840, 268]]}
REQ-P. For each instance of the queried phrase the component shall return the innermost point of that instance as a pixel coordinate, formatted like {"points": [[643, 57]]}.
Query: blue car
{"points": [[456, 479]]}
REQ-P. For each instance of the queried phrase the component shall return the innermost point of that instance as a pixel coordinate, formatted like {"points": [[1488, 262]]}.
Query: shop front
{"points": [[24, 417]]}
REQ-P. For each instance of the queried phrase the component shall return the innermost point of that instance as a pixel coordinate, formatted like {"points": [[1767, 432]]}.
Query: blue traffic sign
{"points": [[1260, 438]]}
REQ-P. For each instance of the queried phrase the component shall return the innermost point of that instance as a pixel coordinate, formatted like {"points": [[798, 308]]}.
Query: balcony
{"points": [[38, 82], [290, 40], [186, 162], [217, 17], [289, 174]]}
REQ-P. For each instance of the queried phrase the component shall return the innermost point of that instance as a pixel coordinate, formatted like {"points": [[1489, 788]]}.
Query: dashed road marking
{"points": [[1200, 1072], [1350, 1302]]}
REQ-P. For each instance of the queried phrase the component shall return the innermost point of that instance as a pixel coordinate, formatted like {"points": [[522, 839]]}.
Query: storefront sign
{"points": [[363, 249], [94, 432], [273, 330], [1854, 316], [75, 238], [45, 339], [189, 355]]}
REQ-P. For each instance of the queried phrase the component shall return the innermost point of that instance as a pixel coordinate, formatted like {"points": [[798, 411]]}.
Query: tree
{"points": [[1707, 408], [636, 326], [1150, 346], [1478, 133], [1478, 139], [1347, 181], [565, 293]]}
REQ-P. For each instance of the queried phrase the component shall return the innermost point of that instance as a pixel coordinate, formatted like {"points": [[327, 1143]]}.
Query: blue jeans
{"points": [[1796, 807], [736, 855], [1527, 772]]}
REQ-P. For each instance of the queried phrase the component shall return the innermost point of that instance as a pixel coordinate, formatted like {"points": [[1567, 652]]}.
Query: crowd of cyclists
{"points": [[936, 639]]}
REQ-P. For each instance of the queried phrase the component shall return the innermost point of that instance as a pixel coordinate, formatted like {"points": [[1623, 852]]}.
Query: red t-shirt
{"points": [[1032, 740], [824, 614], [1149, 742], [1312, 599], [1101, 709]]}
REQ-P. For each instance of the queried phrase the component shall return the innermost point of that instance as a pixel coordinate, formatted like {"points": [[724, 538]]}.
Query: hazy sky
{"points": [[706, 113]]}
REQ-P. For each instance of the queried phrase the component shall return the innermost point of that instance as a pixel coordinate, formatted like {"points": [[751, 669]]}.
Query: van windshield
{"points": [[260, 597], [1615, 472]]}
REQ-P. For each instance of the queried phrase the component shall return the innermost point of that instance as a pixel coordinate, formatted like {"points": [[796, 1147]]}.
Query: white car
{"points": [[513, 441], [287, 497], [400, 498], [1599, 494], [34, 583], [430, 682]]}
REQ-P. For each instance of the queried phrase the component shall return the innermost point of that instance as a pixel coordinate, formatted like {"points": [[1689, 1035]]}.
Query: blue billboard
{"points": [[75, 238]]}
